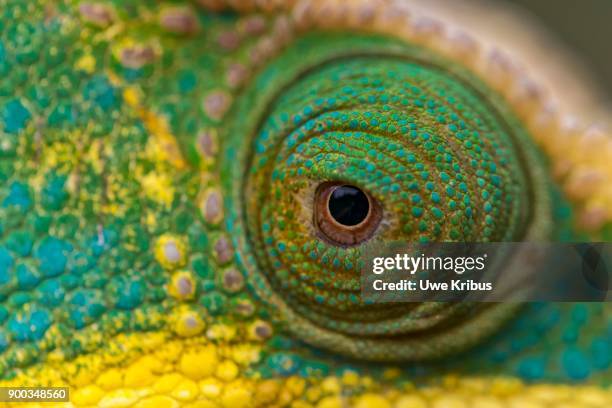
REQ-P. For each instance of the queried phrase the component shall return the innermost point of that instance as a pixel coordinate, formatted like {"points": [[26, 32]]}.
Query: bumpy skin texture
{"points": [[157, 169]]}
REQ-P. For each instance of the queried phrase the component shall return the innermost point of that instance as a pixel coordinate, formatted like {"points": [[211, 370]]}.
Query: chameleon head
{"points": [[184, 196], [374, 146]]}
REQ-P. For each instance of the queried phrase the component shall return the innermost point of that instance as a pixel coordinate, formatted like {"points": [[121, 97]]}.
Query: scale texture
{"points": [[158, 163]]}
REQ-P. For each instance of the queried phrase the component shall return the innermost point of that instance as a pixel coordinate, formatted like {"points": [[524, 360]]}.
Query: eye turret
{"points": [[376, 146]]}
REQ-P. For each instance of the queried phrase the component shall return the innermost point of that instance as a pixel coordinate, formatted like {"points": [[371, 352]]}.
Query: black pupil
{"points": [[348, 205]]}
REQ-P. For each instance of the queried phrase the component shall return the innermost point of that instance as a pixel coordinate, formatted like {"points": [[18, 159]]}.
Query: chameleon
{"points": [[186, 189]]}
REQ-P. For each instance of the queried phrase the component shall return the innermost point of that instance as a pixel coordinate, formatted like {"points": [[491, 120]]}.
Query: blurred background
{"points": [[585, 26]]}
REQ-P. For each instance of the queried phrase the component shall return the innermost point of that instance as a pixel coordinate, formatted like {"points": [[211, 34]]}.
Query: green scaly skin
{"points": [[158, 185]]}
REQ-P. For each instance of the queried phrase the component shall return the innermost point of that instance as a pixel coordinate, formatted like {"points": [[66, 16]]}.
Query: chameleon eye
{"points": [[346, 140], [344, 214], [375, 148]]}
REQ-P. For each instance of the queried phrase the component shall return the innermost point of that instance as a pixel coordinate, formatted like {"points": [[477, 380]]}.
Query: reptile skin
{"points": [[158, 163]]}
